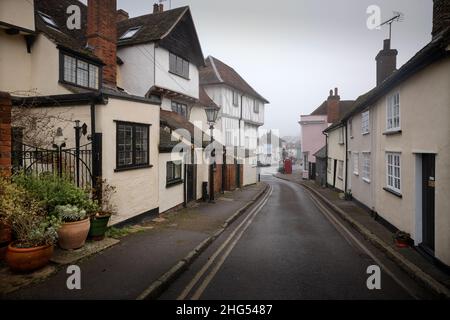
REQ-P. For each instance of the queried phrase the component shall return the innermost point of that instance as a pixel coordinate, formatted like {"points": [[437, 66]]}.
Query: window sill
{"points": [[64, 82], [365, 133], [395, 193], [392, 132], [179, 75], [356, 174], [146, 166], [341, 143], [174, 183], [340, 178], [366, 180]]}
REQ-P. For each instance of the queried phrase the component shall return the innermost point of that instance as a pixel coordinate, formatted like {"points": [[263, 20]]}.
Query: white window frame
{"points": [[391, 176], [365, 122], [329, 164], [235, 98], [366, 166], [355, 163], [392, 114], [341, 135], [255, 106]]}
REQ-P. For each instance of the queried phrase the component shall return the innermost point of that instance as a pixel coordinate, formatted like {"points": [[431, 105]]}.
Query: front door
{"points": [[428, 196], [190, 182]]}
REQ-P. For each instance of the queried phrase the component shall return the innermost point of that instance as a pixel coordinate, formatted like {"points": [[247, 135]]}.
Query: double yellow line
{"points": [[228, 244]]}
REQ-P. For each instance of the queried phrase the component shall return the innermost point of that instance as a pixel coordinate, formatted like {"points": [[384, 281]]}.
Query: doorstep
{"points": [[11, 281], [360, 218]]}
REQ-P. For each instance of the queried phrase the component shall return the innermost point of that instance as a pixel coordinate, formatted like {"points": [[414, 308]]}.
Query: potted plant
{"points": [[74, 228], [35, 234], [402, 239], [8, 203], [348, 195], [99, 222]]}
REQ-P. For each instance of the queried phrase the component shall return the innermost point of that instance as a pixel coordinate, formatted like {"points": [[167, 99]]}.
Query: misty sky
{"points": [[293, 52]]}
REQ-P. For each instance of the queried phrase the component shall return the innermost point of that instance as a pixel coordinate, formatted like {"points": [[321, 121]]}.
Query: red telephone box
{"points": [[288, 166]]}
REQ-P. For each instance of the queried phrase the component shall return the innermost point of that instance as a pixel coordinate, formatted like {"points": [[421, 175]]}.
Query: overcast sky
{"points": [[294, 51]]}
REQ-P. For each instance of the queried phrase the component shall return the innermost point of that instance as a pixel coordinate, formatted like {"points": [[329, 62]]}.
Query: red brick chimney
{"points": [[102, 36], [386, 61], [122, 15], [441, 16], [333, 106]]}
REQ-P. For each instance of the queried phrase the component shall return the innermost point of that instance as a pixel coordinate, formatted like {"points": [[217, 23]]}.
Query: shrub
{"points": [[69, 213], [52, 191], [30, 225]]}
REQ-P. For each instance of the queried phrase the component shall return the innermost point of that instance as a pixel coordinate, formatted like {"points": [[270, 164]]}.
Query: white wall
{"points": [[18, 13], [137, 190], [165, 79], [250, 172], [137, 74]]}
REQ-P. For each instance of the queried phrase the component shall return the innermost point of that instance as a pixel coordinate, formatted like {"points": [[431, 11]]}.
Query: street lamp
{"points": [[59, 142], [211, 117]]}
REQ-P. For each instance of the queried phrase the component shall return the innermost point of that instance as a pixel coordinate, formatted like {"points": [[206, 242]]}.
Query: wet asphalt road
{"points": [[289, 251]]}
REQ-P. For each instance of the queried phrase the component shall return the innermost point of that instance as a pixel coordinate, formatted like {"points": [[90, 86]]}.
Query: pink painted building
{"points": [[313, 125]]}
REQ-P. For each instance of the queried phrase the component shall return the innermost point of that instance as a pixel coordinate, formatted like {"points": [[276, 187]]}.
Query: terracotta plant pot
{"points": [[5, 232], [28, 259], [72, 235], [401, 243], [99, 225]]}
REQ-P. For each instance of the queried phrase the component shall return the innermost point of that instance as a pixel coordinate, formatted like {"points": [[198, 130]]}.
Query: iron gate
{"points": [[77, 164]]}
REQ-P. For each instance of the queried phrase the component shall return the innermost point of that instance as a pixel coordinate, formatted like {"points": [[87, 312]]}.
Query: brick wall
{"points": [[5, 134], [102, 36]]}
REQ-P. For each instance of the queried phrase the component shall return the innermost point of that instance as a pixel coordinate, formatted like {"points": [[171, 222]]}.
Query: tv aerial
{"points": [[398, 17]]}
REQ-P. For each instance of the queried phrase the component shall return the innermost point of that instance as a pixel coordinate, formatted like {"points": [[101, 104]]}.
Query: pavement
{"points": [[286, 248], [409, 259], [130, 269]]}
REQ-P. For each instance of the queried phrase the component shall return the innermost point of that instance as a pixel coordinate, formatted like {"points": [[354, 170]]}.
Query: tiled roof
{"points": [[175, 121], [344, 107], [217, 72], [204, 100], [154, 26]]}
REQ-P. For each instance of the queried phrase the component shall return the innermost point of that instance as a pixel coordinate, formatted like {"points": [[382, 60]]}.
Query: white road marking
{"points": [[336, 223], [248, 219]]}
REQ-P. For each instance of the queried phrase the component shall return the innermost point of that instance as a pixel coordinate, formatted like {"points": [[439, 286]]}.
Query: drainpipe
{"points": [[326, 157], [346, 156]]}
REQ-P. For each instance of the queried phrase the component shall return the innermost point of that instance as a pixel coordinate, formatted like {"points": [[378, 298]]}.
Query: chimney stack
{"points": [[333, 106], [441, 16], [155, 8], [101, 35], [386, 61], [161, 7], [122, 15]]}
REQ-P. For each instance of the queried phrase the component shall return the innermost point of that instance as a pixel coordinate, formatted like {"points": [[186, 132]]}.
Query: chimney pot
{"points": [[336, 91], [331, 92], [161, 7], [155, 8]]}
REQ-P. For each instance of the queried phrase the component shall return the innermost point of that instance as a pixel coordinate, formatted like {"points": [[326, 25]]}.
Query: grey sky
{"points": [[294, 52]]}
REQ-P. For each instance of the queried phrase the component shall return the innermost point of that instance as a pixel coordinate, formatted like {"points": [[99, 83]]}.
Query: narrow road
{"points": [[288, 249]]}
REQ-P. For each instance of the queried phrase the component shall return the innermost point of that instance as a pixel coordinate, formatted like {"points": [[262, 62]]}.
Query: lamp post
{"points": [[59, 142], [211, 116]]}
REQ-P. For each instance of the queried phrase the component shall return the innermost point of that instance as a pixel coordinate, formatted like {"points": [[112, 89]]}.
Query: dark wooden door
{"points": [[428, 196], [190, 182]]}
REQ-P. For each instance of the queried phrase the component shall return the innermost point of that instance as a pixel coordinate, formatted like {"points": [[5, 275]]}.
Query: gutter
{"points": [[346, 157]]}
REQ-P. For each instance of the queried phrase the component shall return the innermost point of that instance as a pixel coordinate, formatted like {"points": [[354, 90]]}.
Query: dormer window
{"points": [[130, 33], [79, 72], [48, 20]]}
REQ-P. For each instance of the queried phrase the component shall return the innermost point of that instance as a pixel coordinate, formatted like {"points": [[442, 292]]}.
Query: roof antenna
{"points": [[398, 17]]}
